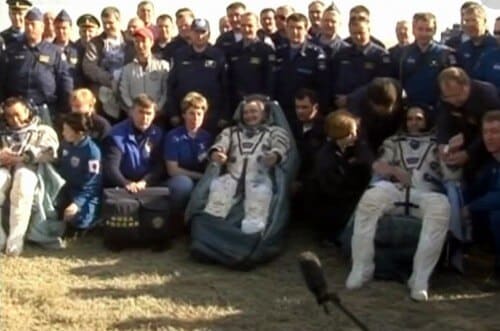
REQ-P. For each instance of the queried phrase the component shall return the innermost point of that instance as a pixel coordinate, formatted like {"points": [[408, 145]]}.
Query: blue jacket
{"points": [[354, 67], [225, 41], [250, 70], [131, 155], [307, 68], [486, 189], [418, 71], [488, 68], [11, 35], [71, 54], [80, 166], [203, 72], [468, 53], [332, 48], [38, 74]]}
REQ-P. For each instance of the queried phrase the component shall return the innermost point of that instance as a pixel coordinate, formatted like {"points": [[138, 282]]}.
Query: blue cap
{"points": [[63, 16], [34, 14], [16, 4], [200, 24]]}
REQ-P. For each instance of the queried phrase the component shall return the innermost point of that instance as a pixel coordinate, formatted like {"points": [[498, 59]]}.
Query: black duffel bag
{"points": [[136, 219]]}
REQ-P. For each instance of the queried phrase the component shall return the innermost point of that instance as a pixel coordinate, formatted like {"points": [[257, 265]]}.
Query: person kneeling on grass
{"points": [[80, 166], [249, 150]]}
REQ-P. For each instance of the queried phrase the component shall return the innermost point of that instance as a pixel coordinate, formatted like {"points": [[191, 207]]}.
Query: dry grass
{"points": [[88, 288]]}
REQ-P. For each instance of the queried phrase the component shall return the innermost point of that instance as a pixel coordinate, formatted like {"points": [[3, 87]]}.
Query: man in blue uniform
{"points": [[62, 27], [357, 64], [250, 63], [422, 61], [88, 28], [395, 51], [17, 11], [280, 37], [483, 196], [34, 69], [226, 40], [488, 68], [464, 103], [300, 64], [480, 40], [133, 150], [163, 47], [183, 20], [328, 38], [199, 67], [315, 12]]}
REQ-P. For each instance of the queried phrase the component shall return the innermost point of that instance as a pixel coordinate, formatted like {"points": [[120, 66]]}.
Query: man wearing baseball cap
{"points": [[207, 65], [145, 74]]}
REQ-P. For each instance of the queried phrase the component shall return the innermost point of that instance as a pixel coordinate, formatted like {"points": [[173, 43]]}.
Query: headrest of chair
{"points": [[269, 106]]}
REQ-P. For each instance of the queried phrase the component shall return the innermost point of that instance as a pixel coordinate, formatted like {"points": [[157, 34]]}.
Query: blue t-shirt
{"points": [[190, 153]]}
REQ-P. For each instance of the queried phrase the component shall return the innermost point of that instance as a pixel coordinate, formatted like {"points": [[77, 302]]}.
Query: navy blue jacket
{"points": [[11, 35], [307, 69], [226, 41], [131, 155], [418, 71], [488, 68], [203, 72], [279, 41], [71, 54], [36, 73], [354, 67], [467, 118], [332, 48], [80, 166], [167, 52], [468, 53], [250, 70], [486, 189]]}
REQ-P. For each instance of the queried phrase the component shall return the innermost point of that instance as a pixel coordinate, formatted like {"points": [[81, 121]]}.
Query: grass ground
{"points": [[89, 288]]}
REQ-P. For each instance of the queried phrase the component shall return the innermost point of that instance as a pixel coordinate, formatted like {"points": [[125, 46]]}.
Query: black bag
{"points": [[136, 220]]}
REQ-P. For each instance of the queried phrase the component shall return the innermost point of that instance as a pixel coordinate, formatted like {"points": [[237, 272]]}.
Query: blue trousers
{"points": [[180, 190]]}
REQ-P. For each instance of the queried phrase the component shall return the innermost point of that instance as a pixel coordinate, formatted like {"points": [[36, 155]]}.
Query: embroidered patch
{"points": [[94, 166], [74, 161], [210, 64]]}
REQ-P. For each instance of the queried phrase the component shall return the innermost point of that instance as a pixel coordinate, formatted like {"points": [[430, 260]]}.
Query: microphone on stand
{"points": [[311, 269]]}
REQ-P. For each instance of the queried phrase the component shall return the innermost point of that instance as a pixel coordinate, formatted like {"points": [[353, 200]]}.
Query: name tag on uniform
{"points": [[19, 57], [433, 63], [304, 71], [44, 58], [209, 64], [369, 65], [345, 62], [467, 55], [186, 63], [411, 60], [254, 60]]}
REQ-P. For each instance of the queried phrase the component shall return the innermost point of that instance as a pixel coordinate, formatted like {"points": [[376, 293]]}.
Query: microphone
{"points": [[314, 277], [311, 269]]}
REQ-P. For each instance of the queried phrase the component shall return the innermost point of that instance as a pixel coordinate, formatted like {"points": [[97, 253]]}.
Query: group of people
{"points": [[375, 128]]}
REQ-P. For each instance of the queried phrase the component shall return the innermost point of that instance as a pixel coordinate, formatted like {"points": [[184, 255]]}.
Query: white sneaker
{"points": [[14, 247], [358, 276], [419, 295], [250, 226]]}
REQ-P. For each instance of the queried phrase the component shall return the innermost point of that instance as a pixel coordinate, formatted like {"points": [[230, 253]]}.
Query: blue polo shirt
{"points": [[190, 153]]}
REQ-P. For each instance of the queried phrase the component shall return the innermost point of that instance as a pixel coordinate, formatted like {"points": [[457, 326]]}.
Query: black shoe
{"points": [[73, 233]]}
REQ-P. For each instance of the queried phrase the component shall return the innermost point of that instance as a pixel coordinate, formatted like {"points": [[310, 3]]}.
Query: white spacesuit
{"points": [[418, 155], [247, 173], [36, 144]]}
